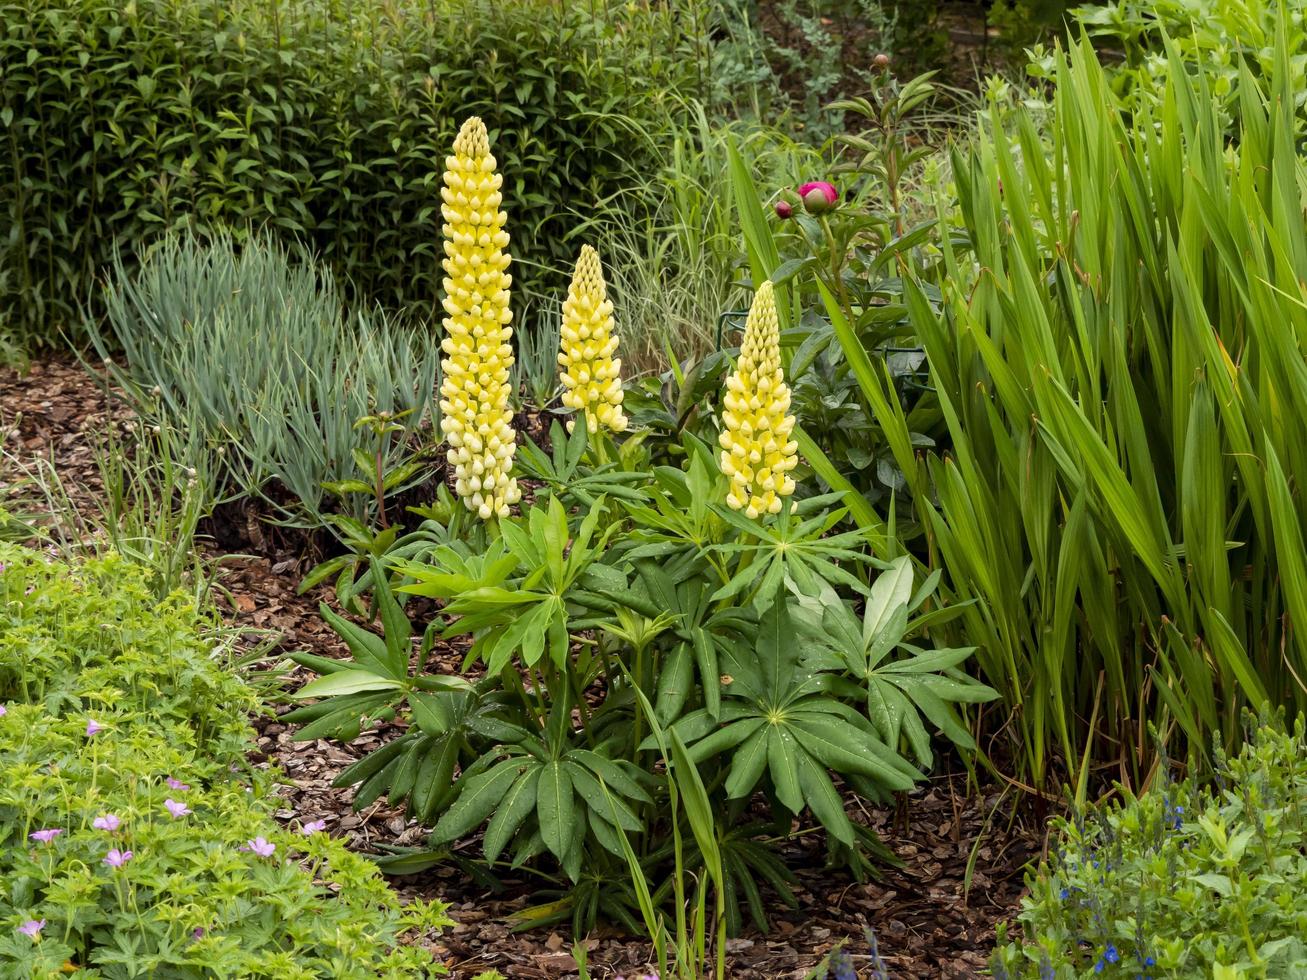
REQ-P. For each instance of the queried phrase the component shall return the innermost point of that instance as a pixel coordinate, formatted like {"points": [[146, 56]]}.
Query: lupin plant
{"points": [[592, 377], [476, 419], [757, 451]]}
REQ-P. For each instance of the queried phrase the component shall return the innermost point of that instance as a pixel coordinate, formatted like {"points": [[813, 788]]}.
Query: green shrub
{"points": [[1182, 882], [94, 644], [248, 355], [326, 120]]}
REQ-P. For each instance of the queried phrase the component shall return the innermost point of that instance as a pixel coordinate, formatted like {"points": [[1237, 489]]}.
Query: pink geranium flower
{"points": [[32, 927], [92, 726], [178, 785], [175, 808], [46, 836], [109, 822], [313, 827], [260, 846], [116, 858]]}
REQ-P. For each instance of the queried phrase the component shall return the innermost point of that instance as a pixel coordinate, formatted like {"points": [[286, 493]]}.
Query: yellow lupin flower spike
{"points": [[475, 416], [592, 377], [757, 451]]}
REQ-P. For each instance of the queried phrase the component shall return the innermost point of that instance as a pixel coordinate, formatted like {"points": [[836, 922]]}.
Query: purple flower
{"points": [[46, 836], [116, 858], [175, 808], [92, 726], [3, 711], [178, 785], [32, 927], [313, 827], [198, 932], [784, 209], [260, 846], [109, 822]]}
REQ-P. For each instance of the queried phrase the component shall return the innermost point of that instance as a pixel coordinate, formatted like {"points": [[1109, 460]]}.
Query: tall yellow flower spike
{"points": [[592, 377], [479, 356], [757, 451]]}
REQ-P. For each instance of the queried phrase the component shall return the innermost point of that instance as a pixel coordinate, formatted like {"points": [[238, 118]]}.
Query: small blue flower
{"points": [[1111, 955], [1064, 894], [1149, 961], [1100, 966]]}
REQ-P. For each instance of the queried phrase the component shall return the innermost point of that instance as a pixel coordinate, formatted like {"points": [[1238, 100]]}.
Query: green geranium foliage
{"points": [[134, 839]]}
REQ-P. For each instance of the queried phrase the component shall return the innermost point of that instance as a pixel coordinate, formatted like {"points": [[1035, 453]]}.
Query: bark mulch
{"points": [[929, 924]]}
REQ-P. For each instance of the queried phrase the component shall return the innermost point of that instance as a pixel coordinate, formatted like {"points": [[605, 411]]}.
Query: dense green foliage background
{"points": [[328, 120]]}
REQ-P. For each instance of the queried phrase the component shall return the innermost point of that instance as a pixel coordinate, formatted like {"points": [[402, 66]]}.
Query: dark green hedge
{"points": [[328, 120]]}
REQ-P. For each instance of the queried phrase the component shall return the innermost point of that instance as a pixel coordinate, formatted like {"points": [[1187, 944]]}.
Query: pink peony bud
{"points": [[819, 196], [784, 209]]}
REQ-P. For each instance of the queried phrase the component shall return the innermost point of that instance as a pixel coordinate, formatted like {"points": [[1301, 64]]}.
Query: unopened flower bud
{"points": [[819, 197]]}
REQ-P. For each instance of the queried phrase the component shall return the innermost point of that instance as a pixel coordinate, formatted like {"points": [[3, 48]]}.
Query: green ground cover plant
{"points": [[1187, 880], [135, 841], [324, 121]]}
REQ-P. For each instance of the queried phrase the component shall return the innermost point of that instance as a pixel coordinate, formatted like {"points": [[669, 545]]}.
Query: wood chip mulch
{"points": [[928, 924]]}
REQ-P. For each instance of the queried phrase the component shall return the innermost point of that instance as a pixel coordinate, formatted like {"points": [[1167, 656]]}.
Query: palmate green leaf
{"points": [[477, 799], [724, 738], [782, 767], [843, 748], [931, 661], [434, 713], [612, 774], [395, 625], [823, 799], [922, 692], [891, 592], [554, 808], [511, 813], [435, 779], [675, 680], [347, 682], [340, 717], [525, 635], [895, 717], [775, 651], [698, 723], [368, 649], [375, 762], [603, 800], [705, 656], [749, 760]]}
